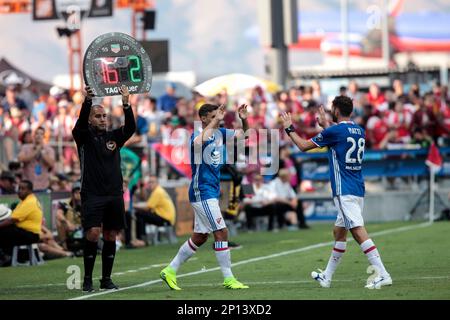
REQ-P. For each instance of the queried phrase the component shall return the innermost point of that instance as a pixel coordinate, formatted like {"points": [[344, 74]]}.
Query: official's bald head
{"points": [[98, 118]]}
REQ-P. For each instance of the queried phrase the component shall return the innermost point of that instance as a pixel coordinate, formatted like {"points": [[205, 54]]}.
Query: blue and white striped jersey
{"points": [[346, 142]]}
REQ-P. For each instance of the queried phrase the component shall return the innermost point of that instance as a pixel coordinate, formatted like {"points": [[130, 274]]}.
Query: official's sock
{"points": [[89, 254], [335, 258], [223, 256], [108, 254], [186, 251], [371, 252]]}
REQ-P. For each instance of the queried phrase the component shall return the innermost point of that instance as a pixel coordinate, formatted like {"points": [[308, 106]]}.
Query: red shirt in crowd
{"points": [[376, 130], [401, 121], [376, 101]]}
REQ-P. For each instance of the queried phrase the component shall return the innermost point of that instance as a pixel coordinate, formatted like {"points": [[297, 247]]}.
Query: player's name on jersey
{"points": [[353, 167], [355, 131]]}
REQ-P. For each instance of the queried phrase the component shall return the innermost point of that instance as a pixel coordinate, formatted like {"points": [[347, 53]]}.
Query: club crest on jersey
{"points": [[218, 220], [111, 145], [215, 158], [319, 137]]}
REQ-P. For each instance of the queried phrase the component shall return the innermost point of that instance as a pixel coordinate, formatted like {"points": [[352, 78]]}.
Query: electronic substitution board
{"points": [[115, 59]]}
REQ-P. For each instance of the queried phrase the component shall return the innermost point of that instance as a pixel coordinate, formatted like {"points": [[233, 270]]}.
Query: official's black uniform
{"points": [[101, 176]]}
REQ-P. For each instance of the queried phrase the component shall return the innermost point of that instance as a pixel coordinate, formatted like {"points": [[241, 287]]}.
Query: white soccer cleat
{"points": [[321, 278], [379, 281]]}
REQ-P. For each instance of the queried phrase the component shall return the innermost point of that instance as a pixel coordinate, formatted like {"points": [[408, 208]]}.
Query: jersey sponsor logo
{"points": [[111, 145]]}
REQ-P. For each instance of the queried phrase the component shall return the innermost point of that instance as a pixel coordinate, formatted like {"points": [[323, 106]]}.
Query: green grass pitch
{"points": [[276, 266]]}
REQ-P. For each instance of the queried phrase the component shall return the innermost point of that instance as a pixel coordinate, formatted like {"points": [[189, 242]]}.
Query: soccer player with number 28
{"points": [[345, 141]]}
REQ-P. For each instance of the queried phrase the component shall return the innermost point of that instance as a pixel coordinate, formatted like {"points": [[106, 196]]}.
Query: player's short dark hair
{"points": [[28, 183], [207, 108], [344, 104]]}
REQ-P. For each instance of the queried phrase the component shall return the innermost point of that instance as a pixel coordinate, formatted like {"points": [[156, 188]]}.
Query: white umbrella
{"points": [[234, 83]]}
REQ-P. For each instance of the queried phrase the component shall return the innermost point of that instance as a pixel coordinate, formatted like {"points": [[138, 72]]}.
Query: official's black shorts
{"points": [[106, 211]]}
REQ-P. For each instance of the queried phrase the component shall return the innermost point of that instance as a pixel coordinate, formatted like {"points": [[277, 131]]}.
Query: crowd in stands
{"points": [[31, 123], [37, 146]]}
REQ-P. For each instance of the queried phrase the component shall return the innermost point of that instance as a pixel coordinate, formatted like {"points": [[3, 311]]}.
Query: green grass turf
{"points": [[418, 260]]}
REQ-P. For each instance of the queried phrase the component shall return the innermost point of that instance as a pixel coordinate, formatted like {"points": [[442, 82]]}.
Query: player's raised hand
{"points": [[89, 92], [242, 111], [125, 94], [322, 117], [220, 112], [287, 120]]}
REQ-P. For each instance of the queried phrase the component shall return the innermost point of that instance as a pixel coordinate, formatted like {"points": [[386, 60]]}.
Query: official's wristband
{"points": [[289, 129]]}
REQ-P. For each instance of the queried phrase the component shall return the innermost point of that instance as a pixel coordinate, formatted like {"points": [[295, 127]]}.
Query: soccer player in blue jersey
{"points": [[345, 141], [207, 157]]}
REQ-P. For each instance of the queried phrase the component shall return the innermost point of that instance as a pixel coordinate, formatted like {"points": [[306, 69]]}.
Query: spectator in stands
{"points": [[61, 127], [154, 118], [397, 86], [375, 97], [60, 182], [15, 168], [13, 123], [7, 183], [414, 92], [50, 247], [138, 141], [391, 140], [424, 116], [24, 225], [420, 138], [286, 162], [11, 101], [399, 119], [38, 161], [26, 137], [68, 221], [168, 101], [375, 125], [354, 94], [257, 201], [308, 120], [159, 209], [317, 95], [285, 200]]}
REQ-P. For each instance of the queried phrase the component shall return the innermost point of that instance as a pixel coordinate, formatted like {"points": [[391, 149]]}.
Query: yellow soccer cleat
{"points": [[233, 283], [170, 277]]}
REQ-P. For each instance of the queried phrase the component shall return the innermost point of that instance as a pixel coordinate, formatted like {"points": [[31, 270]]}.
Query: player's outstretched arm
{"points": [[209, 130], [130, 123], [304, 145]]}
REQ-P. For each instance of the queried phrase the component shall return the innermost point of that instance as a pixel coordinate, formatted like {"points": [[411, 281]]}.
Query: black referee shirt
{"points": [[99, 153]]}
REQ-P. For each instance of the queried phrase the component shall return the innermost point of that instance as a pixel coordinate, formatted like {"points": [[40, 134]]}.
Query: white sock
{"points": [[335, 258], [186, 251], [223, 256], [371, 252]]}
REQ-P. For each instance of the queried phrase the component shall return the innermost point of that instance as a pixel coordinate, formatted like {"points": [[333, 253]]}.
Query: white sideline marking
{"points": [[310, 281], [283, 253], [97, 278]]}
